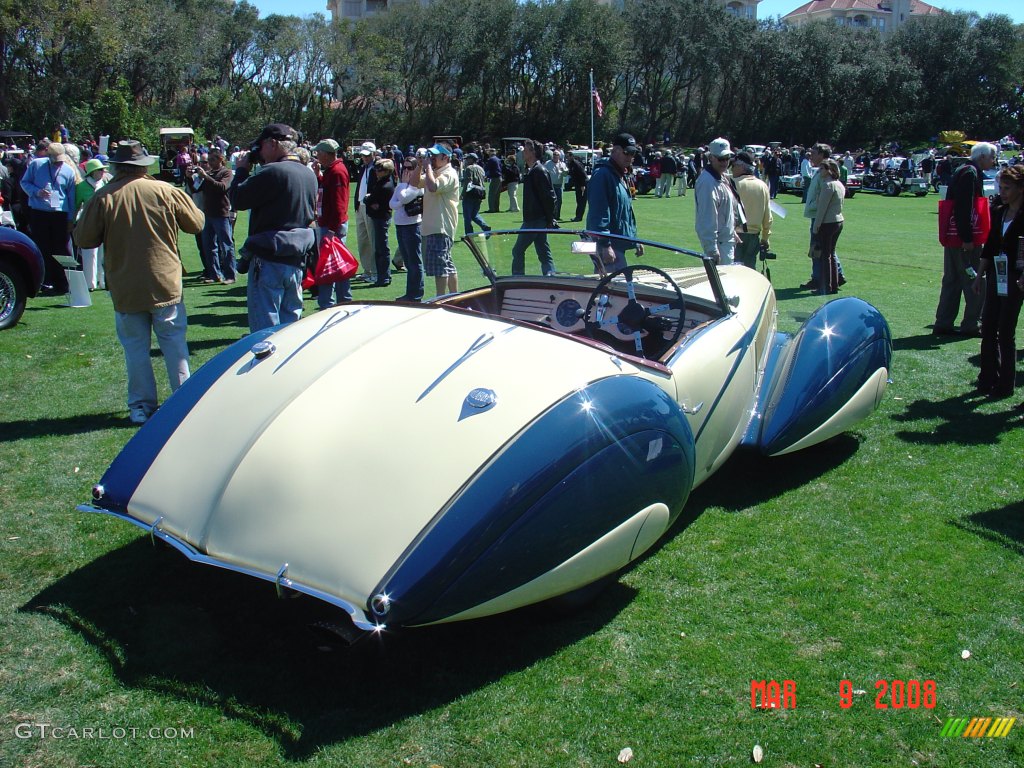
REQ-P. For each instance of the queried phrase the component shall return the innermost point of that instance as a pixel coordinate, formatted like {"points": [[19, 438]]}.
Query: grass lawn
{"points": [[879, 556]]}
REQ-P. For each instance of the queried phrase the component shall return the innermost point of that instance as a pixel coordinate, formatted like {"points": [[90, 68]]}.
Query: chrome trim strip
{"points": [[481, 341], [278, 579]]}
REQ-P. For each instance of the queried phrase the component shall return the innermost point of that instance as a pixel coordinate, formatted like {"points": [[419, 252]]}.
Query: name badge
{"points": [[1001, 264]]}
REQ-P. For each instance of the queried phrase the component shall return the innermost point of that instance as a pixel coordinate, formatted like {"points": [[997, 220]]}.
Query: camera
{"points": [[254, 154], [766, 254], [421, 152]]}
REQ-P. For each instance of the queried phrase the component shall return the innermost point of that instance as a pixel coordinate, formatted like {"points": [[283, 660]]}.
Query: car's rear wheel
{"points": [[892, 189], [13, 295]]}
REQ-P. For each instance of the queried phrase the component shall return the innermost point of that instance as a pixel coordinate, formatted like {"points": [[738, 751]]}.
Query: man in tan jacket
{"points": [[136, 218], [755, 197]]}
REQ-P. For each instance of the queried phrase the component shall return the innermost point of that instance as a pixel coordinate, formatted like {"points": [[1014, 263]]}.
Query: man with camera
{"points": [[282, 199], [754, 197], [218, 238], [440, 217]]}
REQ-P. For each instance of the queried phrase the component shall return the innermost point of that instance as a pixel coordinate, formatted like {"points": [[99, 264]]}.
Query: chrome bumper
{"points": [[280, 579]]}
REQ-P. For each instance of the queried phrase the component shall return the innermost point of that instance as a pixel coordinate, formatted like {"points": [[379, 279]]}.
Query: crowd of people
{"points": [[299, 193]]}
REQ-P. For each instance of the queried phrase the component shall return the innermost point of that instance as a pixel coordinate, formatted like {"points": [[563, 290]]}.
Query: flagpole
{"points": [[591, 112]]}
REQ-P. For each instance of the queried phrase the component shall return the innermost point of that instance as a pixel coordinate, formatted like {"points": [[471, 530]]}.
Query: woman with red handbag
{"points": [[960, 264], [1001, 278]]}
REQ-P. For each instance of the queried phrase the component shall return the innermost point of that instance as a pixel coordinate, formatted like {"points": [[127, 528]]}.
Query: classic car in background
{"points": [[491, 449], [21, 275], [891, 183], [794, 183], [171, 142]]}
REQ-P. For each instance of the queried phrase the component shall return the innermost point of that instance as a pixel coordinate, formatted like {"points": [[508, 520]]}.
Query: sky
{"points": [[768, 8]]}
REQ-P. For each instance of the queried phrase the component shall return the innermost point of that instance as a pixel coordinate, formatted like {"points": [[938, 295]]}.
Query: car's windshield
{"points": [[573, 253]]}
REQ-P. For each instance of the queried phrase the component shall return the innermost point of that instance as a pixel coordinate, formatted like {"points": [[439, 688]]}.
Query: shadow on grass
{"points": [[69, 425], [238, 319], [1004, 526], [748, 478], [928, 341], [956, 420], [224, 640]]}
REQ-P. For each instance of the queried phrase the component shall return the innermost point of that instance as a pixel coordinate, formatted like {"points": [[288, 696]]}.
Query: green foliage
{"points": [[487, 68]]}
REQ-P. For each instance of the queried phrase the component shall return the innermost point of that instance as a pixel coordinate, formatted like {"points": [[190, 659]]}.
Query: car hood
{"points": [[335, 451]]}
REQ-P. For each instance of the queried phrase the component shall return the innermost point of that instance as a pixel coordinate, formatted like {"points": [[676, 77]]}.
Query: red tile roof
{"points": [[917, 8]]}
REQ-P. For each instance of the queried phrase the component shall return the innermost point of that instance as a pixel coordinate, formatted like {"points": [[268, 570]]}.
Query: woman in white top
{"points": [[407, 203]]}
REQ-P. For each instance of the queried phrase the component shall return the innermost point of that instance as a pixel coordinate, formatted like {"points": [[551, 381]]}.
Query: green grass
{"points": [[880, 555]]}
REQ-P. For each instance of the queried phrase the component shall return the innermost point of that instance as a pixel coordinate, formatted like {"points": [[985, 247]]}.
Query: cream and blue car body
{"points": [[415, 464]]}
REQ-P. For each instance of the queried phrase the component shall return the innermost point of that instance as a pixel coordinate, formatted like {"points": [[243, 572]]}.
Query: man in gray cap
{"points": [[282, 201], [136, 218]]}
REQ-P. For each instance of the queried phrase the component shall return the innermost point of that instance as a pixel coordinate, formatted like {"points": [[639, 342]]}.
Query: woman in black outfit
{"points": [[1003, 254]]}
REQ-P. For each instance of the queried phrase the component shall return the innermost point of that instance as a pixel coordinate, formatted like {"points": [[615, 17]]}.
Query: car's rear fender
{"points": [[597, 463], [830, 375]]}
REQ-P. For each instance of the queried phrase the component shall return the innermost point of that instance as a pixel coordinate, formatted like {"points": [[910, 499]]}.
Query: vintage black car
{"points": [[891, 183]]}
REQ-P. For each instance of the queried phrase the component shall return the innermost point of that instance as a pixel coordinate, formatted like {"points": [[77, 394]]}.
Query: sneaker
{"points": [[842, 280], [137, 415]]}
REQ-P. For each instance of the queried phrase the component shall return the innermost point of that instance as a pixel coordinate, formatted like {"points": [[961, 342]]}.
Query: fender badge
{"points": [[481, 398], [478, 401], [263, 349]]}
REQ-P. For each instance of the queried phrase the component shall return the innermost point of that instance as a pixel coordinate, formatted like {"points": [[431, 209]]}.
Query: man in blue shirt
{"points": [[611, 207], [49, 184]]}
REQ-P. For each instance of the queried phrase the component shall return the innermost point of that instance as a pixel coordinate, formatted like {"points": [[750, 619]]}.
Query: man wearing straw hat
{"points": [[136, 218]]}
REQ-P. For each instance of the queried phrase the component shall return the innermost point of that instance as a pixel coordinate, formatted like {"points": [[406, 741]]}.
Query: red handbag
{"points": [[981, 222], [335, 262]]}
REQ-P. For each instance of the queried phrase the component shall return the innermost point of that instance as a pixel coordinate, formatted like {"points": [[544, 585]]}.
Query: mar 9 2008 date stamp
{"points": [[889, 694]]}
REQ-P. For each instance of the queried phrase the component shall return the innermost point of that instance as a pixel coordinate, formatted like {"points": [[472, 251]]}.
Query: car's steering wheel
{"points": [[652, 331]]}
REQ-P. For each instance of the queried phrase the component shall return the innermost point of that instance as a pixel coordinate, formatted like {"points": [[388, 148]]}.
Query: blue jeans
{"points": [[471, 215], [539, 240], [219, 244], [381, 249], [409, 242], [134, 331], [558, 203], [274, 294], [329, 294]]}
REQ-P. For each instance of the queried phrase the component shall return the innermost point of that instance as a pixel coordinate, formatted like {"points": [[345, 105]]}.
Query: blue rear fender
{"points": [[840, 347], [579, 470]]}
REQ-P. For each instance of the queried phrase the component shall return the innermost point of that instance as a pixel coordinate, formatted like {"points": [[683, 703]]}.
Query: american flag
{"points": [[598, 104]]}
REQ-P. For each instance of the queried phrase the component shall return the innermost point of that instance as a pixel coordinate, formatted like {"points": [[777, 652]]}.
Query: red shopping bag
{"points": [[981, 222], [335, 262]]}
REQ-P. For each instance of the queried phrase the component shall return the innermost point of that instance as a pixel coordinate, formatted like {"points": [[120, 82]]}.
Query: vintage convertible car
{"points": [[21, 275], [423, 463], [794, 183]]}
